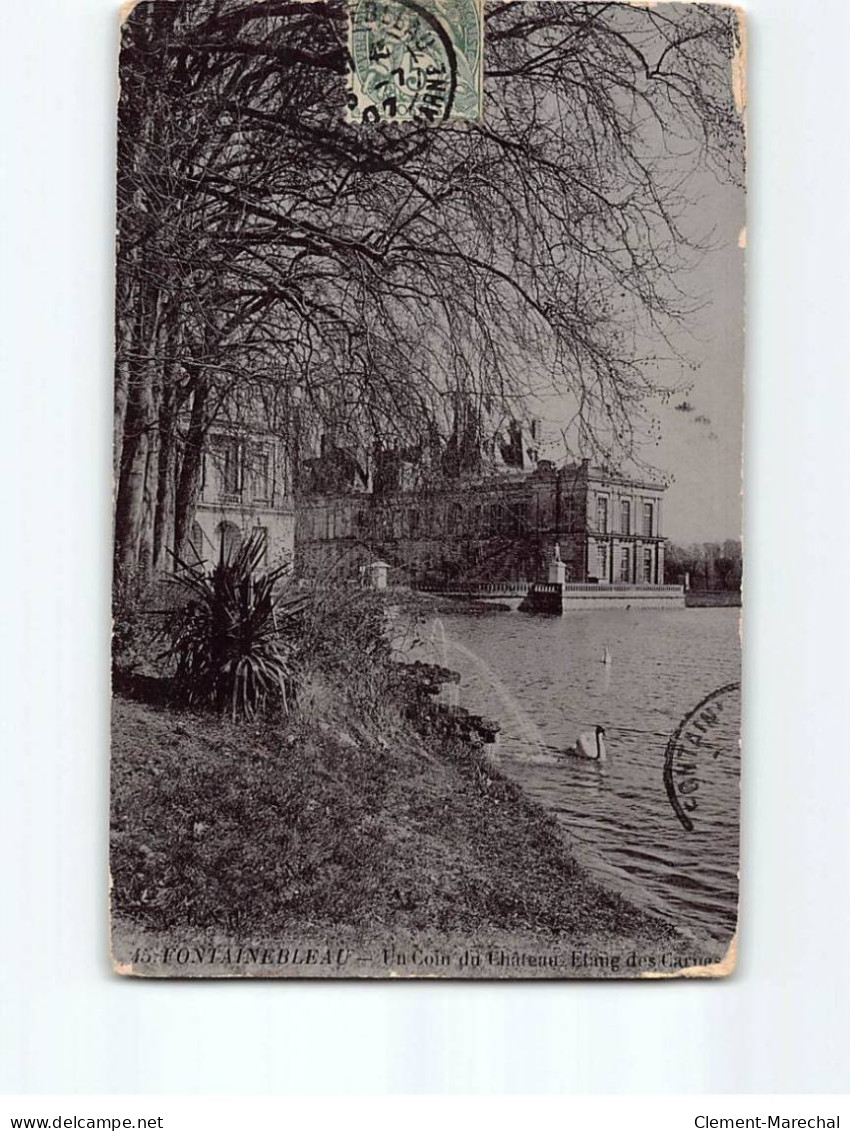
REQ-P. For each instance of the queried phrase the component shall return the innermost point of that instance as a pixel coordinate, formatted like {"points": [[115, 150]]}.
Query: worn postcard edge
{"points": [[728, 964]]}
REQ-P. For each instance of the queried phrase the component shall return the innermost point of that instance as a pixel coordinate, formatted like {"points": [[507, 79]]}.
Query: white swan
{"points": [[591, 744]]}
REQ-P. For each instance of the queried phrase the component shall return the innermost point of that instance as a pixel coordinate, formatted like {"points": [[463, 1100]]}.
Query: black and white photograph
{"points": [[427, 508]]}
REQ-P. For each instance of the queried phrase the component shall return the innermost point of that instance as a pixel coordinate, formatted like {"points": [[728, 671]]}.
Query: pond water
{"points": [[544, 680]]}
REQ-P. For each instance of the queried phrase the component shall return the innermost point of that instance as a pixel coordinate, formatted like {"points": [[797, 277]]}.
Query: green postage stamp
{"points": [[415, 60]]}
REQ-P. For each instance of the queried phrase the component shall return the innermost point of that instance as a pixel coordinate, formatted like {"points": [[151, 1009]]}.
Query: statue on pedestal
{"points": [[557, 568]]}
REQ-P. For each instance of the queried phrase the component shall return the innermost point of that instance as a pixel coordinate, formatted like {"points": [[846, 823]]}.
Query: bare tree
{"points": [[362, 278]]}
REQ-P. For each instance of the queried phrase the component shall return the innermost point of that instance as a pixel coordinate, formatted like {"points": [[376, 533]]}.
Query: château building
{"points": [[463, 518], [246, 485], [493, 525]]}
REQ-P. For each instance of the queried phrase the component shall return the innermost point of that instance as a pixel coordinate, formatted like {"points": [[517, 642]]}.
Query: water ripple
{"points": [[543, 679]]}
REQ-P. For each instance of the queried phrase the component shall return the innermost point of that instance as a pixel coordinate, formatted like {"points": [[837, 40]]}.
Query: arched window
{"points": [[229, 540]]}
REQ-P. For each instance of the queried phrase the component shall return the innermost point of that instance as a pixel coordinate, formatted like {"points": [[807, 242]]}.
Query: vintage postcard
{"points": [[427, 511]]}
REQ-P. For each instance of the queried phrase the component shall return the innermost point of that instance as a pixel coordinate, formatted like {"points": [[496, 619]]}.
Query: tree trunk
{"points": [[189, 483], [151, 479], [164, 518], [126, 342], [139, 436], [131, 486]]}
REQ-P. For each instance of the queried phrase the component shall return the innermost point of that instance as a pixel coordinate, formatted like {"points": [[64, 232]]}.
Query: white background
{"points": [[67, 1024]]}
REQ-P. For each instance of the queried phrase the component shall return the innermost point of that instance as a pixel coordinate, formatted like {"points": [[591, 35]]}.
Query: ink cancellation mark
{"points": [[696, 743], [415, 60]]}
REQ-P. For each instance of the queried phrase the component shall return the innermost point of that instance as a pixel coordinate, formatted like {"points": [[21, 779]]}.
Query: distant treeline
{"points": [[712, 566]]}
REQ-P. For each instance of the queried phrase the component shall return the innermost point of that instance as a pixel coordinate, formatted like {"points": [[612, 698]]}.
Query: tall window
{"points": [[647, 563], [625, 553], [647, 520], [261, 473], [602, 559], [231, 471], [625, 516], [602, 514]]}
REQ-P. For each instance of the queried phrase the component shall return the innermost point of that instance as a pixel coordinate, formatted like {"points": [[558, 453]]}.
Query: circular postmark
{"points": [[699, 752], [404, 63]]}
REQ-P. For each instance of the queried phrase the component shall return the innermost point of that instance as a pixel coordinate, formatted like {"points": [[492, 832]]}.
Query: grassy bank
{"points": [[352, 809], [326, 824]]}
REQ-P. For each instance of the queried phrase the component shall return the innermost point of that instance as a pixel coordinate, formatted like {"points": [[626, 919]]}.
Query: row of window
{"points": [[647, 516], [244, 470], [413, 522], [643, 569], [479, 520]]}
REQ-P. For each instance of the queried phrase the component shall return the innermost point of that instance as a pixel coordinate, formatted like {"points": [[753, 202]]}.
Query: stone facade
{"points": [[623, 540], [246, 486], [497, 526]]}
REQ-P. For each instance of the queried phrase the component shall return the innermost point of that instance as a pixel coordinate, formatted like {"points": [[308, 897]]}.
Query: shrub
{"points": [[133, 631], [344, 639], [232, 641]]}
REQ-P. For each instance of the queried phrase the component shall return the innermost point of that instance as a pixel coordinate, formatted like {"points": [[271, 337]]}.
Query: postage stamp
{"points": [[415, 60]]}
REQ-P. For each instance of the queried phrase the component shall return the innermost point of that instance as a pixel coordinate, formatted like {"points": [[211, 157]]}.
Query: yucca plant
{"points": [[232, 641]]}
